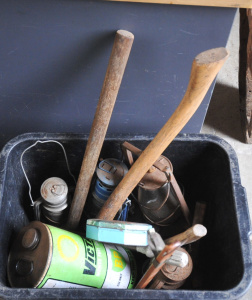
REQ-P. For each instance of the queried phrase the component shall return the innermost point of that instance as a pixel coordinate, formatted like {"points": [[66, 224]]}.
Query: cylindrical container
{"points": [[53, 202], [156, 197], [109, 173], [171, 277], [43, 256]]}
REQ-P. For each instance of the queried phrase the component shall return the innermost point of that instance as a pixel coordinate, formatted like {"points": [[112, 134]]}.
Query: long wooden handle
{"points": [[205, 67], [115, 70], [191, 235]]}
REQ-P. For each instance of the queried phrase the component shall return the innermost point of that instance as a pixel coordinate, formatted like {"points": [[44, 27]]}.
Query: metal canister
{"points": [[159, 195], [53, 201], [171, 277], [109, 173], [43, 256], [156, 197]]}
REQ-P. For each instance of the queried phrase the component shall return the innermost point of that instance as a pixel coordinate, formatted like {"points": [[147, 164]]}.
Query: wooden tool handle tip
{"points": [[199, 230], [126, 34], [212, 56]]}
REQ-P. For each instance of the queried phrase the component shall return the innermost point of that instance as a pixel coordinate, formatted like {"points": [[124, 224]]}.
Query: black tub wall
{"points": [[54, 54], [201, 164]]}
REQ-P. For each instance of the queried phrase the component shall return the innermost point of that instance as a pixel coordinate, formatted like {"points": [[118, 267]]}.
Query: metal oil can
{"points": [[43, 256]]}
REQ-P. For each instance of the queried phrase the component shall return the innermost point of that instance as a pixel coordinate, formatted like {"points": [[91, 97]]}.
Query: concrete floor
{"points": [[223, 116]]}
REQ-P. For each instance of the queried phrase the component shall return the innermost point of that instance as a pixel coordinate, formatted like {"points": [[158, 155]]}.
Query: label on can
{"points": [[118, 268], [77, 261]]}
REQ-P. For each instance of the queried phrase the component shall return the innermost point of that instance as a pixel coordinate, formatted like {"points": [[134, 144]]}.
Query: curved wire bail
{"points": [[33, 145]]}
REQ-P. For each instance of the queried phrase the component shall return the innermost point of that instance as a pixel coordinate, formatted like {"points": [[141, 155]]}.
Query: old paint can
{"points": [[43, 256]]}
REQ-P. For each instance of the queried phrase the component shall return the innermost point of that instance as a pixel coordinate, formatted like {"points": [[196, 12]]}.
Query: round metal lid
{"points": [[155, 178], [54, 190], [30, 256], [111, 171]]}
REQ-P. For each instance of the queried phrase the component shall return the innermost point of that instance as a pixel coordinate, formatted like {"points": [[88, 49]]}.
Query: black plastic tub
{"points": [[209, 170]]}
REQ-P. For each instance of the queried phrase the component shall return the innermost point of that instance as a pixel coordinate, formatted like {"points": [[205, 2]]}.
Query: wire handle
{"points": [[33, 145]]}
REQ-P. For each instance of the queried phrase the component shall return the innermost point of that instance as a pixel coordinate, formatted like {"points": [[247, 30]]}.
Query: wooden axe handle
{"points": [[205, 67], [191, 235], [115, 70]]}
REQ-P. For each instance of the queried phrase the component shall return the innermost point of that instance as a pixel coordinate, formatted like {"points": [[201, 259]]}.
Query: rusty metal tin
{"points": [[172, 277], [154, 178]]}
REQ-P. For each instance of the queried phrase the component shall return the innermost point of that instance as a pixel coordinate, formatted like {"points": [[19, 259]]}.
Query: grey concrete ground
{"points": [[223, 117]]}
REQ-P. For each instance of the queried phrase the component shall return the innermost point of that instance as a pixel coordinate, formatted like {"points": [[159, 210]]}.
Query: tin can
{"points": [[44, 256], [109, 173]]}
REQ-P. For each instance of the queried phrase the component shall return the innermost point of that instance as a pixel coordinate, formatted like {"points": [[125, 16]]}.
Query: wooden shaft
{"points": [[191, 235], [216, 3], [199, 213], [157, 264], [205, 67], [115, 70]]}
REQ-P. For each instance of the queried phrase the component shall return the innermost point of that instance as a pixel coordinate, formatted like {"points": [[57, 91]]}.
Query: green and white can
{"points": [[44, 256]]}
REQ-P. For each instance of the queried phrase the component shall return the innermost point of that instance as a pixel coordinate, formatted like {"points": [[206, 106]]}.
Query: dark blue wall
{"points": [[54, 55]]}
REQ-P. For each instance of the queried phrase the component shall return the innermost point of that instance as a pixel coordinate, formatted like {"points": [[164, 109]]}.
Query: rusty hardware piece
{"points": [[156, 244], [157, 264], [172, 277], [159, 195], [191, 235]]}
